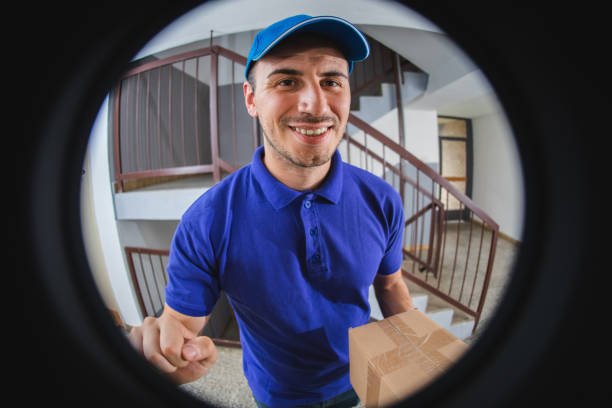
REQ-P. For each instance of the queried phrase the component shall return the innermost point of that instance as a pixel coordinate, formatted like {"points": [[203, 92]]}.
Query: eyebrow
{"points": [[286, 71], [289, 71], [334, 73]]}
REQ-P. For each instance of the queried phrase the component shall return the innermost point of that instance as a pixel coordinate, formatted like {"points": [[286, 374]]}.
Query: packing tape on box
{"points": [[422, 351]]}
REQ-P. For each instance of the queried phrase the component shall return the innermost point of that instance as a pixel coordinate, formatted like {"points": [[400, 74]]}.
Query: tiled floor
{"points": [[224, 385]]}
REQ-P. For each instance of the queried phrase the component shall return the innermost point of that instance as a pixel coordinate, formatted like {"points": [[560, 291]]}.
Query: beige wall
{"points": [[91, 239], [498, 179]]}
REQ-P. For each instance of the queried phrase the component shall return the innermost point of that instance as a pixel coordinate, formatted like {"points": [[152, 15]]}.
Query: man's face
{"points": [[302, 100]]}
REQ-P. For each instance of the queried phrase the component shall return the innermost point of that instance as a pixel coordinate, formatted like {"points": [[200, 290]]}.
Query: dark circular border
{"points": [[548, 335]]}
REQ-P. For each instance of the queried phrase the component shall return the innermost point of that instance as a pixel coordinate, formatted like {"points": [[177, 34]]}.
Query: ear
{"points": [[249, 99]]}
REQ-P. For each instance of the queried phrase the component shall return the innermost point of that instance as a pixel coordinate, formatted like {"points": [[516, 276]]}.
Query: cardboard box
{"points": [[392, 358]]}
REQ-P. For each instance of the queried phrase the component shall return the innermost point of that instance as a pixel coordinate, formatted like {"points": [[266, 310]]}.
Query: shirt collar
{"points": [[279, 195], [332, 185]]}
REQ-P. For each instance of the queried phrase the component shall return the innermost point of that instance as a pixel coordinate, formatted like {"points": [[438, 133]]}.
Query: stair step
{"points": [[452, 319], [463, 329], [460, 323], [439, 313], [420, 302]]}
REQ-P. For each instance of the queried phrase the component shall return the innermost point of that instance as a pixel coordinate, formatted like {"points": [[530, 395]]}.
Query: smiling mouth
{"points": [[311, 132]]}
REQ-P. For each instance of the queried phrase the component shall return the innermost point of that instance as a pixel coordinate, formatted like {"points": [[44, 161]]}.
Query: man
{"points": [[294, 239]]}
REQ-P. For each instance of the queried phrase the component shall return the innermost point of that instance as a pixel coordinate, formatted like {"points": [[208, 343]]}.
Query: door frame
{"points": [[469, 163]]}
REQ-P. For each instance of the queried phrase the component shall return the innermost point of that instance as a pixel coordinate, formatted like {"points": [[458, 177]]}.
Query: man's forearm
{"points": [[394, 299]]}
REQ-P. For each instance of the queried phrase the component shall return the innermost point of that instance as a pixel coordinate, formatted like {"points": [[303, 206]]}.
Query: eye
{"points": [[286, 82], [331, 83]]}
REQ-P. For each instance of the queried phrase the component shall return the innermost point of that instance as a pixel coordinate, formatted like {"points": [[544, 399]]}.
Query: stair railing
{"points": [[449, 242], [149, 278], [181, 116]]}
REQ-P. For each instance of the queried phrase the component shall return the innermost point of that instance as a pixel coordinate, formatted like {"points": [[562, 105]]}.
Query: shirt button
{"points": [[316, 258], [307, 204], [313, 232]]}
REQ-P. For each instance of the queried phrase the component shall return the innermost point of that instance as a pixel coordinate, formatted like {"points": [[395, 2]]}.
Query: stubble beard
{"points": [[313, 161]]}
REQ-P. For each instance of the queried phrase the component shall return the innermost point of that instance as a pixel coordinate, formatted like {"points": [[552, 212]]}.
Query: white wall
{"points": [[169, 204], [104, 247], [498, 179], [147, 234], [91, 239], [420, 130]]}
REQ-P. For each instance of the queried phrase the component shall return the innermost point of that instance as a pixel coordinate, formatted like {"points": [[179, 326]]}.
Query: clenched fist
{"points": [[170, 343]]}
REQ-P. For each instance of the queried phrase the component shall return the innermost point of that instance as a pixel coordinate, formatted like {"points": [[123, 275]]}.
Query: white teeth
{"points": [[311, 132]]}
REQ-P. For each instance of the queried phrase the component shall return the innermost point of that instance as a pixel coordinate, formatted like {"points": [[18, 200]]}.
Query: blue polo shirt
{"points": [[296, 267]]}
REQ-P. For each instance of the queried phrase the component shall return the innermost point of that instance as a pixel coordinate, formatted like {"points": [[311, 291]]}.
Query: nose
{"points": [[312, 100]]}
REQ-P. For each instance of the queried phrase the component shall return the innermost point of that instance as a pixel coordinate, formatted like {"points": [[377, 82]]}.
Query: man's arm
{"points": [[193, 324], [392, 294], [171, 343]]}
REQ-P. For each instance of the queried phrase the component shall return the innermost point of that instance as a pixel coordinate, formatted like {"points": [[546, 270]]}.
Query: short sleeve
{"points": [[392, 260], [193, 285]]}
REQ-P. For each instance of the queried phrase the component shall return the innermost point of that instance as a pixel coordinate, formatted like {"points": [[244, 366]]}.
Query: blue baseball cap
{"points": [[347, 37]]}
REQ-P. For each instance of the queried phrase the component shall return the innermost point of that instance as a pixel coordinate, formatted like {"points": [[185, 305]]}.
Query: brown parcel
{"points": [[392, 358]]}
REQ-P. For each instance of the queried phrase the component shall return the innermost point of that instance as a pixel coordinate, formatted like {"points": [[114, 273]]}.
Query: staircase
{"points": [[452, 319], [373, 82], [374, 94]]}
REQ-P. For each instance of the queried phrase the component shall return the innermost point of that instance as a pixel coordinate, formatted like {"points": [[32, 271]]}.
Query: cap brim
{"points": [[351, 42]]}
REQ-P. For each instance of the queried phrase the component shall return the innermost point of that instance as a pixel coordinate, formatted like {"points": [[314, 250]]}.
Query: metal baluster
{"points": [[482, 228], [156, 282], [146, 283], [456, 250], [445, 233], [137, 116], [147, 104], [170, 133], [422, 234], [128, 137], [234, 131], [159, 76], [196, 119], [182, 111], [467, 256]]}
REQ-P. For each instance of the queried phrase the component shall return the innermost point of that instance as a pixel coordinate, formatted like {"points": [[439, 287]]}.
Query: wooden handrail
{"points": [[229, 54], [176, 169], [392, 168], [424, 168], [167, 61], [201, 52]]}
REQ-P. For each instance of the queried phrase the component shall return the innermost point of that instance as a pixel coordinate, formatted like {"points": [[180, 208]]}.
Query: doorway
{"points": [[455, 138]]}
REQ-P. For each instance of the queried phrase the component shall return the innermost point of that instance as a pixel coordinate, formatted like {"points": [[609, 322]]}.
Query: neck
{"points": [[293, 176]]}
